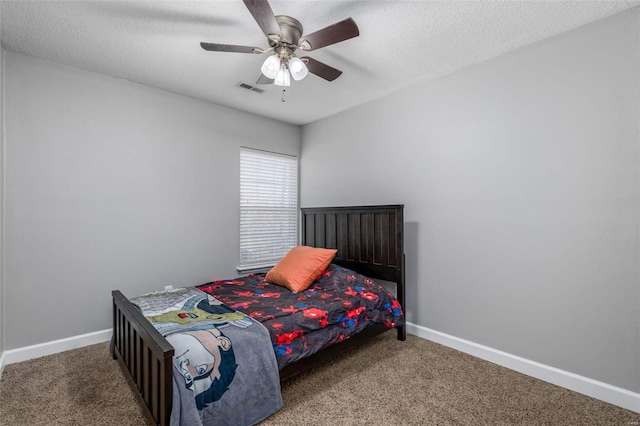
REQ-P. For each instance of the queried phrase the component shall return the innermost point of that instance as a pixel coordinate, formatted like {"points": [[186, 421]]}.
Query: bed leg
{"points": [[402, 332]]}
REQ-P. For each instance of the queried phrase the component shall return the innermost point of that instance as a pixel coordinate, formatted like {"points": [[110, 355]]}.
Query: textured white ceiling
{"points": [[401, 43]]}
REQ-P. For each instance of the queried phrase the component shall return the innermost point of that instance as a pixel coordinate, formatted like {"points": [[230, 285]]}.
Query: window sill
{"points": [[254, 269]]}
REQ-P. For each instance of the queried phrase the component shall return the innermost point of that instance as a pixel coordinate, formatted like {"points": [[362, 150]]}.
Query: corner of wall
{"points": [[638, 162], [2, 205]]}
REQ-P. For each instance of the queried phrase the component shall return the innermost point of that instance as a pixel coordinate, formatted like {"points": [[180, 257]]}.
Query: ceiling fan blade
{"points": [[264, 16], [340, 31], [264, 80], [320, 69], [215, 47]]}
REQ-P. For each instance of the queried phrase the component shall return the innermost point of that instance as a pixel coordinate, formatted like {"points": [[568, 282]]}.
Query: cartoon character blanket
{"points": [[225, 371], [338, 305]]}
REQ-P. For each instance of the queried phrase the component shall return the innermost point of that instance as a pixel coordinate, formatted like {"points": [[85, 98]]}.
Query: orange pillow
{"points": [[300, 267]]}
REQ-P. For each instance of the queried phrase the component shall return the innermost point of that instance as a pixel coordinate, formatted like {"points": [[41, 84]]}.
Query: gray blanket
{"points": [[225, 370]]}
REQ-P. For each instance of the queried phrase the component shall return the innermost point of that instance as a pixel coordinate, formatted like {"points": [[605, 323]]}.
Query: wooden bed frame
{"points": [[369, 240]]}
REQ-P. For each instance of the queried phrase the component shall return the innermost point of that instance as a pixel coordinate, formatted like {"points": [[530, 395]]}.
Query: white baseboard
{"points": [[48, 348], [584, 385]]}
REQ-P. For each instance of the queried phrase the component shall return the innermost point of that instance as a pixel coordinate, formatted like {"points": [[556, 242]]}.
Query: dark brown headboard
{"points": [[369, 239]]}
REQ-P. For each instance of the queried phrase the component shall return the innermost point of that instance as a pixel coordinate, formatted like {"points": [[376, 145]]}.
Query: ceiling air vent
{"points": [[250, 87]]}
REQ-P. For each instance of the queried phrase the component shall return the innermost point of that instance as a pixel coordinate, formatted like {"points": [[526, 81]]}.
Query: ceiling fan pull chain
{"points": [[283, 90]]}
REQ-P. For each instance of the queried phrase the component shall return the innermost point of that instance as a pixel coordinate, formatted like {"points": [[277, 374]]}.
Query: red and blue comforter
{"points": [[339, 304]]}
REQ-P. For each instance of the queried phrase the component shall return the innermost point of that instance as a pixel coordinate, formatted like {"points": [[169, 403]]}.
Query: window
{"points": [[268, 207]]}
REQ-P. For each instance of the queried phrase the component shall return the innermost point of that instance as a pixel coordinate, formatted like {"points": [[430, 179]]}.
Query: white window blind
{"points": [[268, 207]]}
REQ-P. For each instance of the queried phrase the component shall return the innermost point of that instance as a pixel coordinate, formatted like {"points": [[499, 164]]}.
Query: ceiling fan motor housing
{"points": [[291, 31]]}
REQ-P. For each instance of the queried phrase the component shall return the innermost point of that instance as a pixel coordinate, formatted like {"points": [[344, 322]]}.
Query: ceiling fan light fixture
{"points": [[282, 78], [271, 66], [298, 69]]}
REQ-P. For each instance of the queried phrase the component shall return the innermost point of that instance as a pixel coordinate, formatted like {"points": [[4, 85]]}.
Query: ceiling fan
{"points": [[284, 34]]}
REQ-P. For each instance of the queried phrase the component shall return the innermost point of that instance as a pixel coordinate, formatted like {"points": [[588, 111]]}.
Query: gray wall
{"points": [[520, 182], [114, 185]]}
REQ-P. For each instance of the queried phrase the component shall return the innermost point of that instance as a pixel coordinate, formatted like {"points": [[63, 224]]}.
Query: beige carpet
{"points": [[415, 382]]}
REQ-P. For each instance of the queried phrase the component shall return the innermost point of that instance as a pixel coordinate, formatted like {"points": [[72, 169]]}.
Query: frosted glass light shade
{"points": [[282, 78], [271, 66], [298, 69]]}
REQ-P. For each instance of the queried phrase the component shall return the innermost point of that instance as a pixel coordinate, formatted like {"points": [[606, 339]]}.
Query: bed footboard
{"points": [[147, 356]]}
